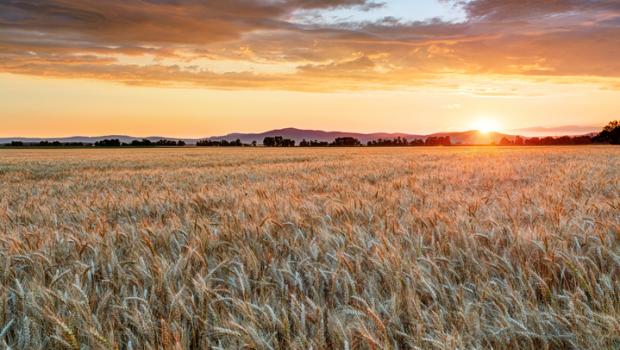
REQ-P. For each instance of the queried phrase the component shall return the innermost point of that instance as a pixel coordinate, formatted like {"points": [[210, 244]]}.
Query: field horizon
{"points": [[291, 137], [299, 134]]}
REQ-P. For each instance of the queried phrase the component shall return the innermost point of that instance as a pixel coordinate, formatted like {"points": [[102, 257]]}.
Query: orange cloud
{"points": [[576, 40]]}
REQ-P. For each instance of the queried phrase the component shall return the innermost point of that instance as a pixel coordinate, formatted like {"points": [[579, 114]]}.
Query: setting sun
{"points": [[486, 125]]}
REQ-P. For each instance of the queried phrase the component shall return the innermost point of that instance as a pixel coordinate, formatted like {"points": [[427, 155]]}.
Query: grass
{"points": [[426, 248]]}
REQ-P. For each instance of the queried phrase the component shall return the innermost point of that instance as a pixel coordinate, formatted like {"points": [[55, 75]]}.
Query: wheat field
{"points": [[417, 248]]}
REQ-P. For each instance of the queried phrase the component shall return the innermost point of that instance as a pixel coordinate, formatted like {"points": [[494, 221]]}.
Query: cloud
{"points": [[533, 9], [180, 42], [565, 130]]}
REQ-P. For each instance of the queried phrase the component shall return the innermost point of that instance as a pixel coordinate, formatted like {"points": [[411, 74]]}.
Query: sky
{"points": [[194, 68]]}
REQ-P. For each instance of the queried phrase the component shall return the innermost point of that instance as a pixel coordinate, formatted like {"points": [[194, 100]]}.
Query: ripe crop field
{"points": [[416, 248]]}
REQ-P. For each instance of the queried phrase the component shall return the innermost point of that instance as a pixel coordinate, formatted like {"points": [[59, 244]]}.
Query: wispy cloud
{"points": [[564, 130]]}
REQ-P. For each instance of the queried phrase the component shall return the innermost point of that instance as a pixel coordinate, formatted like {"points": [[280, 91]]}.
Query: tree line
{"points": [[338, 142], [280, 141], [140, 143], [223, 143], [609, 135], [48, 144], [102, 143], [403, 142], [548, 141]]}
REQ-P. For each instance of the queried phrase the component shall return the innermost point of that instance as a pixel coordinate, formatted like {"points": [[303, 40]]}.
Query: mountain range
{"points": [[471, 137], [318, 135], [91, 139], [465, 137]]}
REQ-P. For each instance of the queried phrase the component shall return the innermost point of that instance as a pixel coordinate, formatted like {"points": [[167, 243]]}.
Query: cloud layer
{"points": [[274, 44]]}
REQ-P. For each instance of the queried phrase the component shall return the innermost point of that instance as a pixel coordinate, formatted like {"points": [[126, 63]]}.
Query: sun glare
{"points": [[486, 125]]}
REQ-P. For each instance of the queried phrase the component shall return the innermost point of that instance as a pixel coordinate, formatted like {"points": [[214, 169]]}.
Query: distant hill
{"points": [[471, 137], [319, 135], [569, 130], [91, 139], [475, 137]]}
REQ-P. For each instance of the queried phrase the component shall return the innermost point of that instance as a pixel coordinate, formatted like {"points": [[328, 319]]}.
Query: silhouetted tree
{"points": [[144, 143], [506, 142], [533, 141], [438, 141], [317, 143], [108, 143], [278, 141], [396, 142], [610, 134], [346, 142], [558, 141], [313, 143], [220, 143], [582, 140], [17, 144], [160, 143], [207, 143], [59, 144], [519, 141]]}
